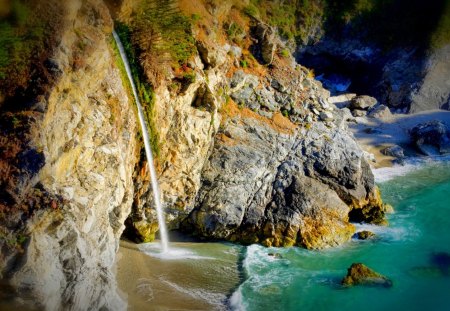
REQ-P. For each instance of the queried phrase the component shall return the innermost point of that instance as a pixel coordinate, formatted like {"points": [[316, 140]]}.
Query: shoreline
{"points": [[373, 135], [207, 282], [204, 282]]}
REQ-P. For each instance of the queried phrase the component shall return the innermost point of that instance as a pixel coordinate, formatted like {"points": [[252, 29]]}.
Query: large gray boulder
{"points": [[363, 102], [431, 138], [381, 112], [269, 183]]}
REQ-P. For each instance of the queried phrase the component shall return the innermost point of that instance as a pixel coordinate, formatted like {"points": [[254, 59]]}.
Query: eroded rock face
{"points": [[186, 123], [404, 79], [87, 137], [282, 186], [434, 91]]}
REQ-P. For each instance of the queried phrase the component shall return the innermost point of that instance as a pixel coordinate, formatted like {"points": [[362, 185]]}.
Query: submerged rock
{"points": [[275, 255], [359, 274], [364, 235], [441, 260]]}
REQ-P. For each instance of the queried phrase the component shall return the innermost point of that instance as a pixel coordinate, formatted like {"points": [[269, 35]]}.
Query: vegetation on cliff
{"points": [[388, 22], [28, 33], [144, 89]]}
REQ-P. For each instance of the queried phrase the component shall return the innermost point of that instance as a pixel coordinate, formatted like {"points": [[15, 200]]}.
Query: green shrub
{"points": [[285, 53], [195, 18], [189, 77], [234, 32], [252, 11], [27, 33], [159, 26]]}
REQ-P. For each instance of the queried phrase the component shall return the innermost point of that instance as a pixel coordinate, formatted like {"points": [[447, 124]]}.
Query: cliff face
{"points": [[86, 136], [250, 151]]}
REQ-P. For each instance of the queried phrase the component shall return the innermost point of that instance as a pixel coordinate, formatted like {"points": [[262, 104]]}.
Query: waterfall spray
{"points": [[148, 150]]}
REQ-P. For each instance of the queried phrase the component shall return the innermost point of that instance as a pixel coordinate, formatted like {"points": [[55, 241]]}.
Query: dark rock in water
{"points": [[359, 274], [364, 235], [394, 151], [371, 130], [441, 260], [432, 134], [425, 272], [275, 255]]}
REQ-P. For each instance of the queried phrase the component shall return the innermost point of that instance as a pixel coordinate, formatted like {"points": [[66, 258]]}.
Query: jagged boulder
{"points": [[266, 45], [431, 138], [342, 101], [363, 102], [360, 274], [296, 186], [394, 151], [364, 235], [380, 112]]}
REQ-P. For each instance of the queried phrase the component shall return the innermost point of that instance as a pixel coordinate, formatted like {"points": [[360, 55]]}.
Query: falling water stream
{"points": [[148, 151]]}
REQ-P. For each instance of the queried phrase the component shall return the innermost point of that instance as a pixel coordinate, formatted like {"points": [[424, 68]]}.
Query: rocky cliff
{"points": [[397, 51], [250, 150], [253, 152], [73, 193]]}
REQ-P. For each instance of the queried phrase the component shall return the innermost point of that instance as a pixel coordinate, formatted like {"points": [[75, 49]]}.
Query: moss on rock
{"points": [[360, 274]]}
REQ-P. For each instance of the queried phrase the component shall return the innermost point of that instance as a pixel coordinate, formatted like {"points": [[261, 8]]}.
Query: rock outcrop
{"points": [[431, 138], [360, 274], [263, 159], [404, 78], [84, 153], [275, 183], [252, 155], [364, 235]]}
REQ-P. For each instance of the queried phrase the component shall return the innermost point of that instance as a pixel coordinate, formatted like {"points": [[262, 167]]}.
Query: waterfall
{"points": [[148, 151]]}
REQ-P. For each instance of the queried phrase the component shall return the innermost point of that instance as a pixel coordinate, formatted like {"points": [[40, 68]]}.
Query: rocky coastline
{"points": [[252, 149]]}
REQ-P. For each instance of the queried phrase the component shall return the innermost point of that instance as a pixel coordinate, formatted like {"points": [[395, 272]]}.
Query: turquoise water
{"points": [[406, 252]]}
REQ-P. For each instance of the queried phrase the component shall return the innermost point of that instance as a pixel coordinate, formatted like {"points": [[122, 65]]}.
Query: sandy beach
{"points": [[373, 135], [199, 276], [204, 274]]}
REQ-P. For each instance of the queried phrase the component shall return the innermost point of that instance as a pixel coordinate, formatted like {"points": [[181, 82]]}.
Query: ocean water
{"points": [[413, 251]]}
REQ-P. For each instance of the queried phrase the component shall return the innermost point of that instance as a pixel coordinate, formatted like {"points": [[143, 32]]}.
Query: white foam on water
{"points": [[388, 173], [236, 301], [155, 250], [393, 234], [144, 289], [215, 299]]}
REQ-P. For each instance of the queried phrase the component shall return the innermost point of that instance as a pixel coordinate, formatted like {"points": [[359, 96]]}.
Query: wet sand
{"points": [[201, 280], [373, 135]]}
